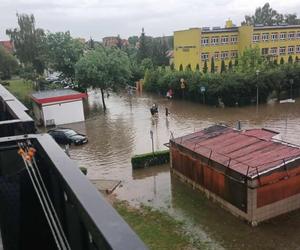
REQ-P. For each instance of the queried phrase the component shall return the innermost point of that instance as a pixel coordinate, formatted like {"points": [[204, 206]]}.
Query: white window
{"points": [[234, 53], [204, 41], [298, 35], [282, 36], [216, 55], [298, 49], [265, 37], [224, 54], [214, 41], [274, 36], [224, 39], [256, 38], [282, 51], [291, 49], [204, 56], [273, 51], [233, 39], [291, 35]]}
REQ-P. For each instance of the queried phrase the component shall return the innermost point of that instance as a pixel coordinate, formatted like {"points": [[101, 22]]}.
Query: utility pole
{"points": [[257, 73]]}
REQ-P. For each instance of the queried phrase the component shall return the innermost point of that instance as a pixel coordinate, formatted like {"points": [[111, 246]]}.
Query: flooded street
{"points": [[124, 130]]}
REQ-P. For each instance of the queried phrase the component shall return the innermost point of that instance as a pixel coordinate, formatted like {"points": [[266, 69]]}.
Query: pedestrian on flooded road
{"points": [[167, 112]]}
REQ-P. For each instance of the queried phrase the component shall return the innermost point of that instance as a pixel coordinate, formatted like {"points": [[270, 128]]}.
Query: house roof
{"points": [[58, 95], [8, 45], [250, 152]]}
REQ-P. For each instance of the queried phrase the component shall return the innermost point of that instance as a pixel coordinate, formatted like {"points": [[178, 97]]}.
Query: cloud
{"points": [[99, 18]]}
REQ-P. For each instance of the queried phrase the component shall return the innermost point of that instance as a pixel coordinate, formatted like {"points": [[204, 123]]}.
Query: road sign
{"points": [[202, 89]]}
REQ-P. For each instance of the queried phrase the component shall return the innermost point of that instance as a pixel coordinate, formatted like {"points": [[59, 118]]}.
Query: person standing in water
{"points": [[167, 112]]}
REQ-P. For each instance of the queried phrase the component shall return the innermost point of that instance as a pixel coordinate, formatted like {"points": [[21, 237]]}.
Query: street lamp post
{"points": [[257, 73]]}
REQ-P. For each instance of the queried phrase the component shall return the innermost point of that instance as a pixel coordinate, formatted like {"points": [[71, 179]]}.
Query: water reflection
{"points": [[124, 130]]}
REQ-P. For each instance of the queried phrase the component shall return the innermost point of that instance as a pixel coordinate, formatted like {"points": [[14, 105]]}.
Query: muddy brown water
{"points": [[124, 130]]}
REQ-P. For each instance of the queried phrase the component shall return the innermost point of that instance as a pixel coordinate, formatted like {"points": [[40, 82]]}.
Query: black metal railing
{"points": [[88, 220]]}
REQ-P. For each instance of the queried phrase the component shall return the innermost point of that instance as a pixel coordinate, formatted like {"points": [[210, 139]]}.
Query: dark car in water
{"points": [[67, 136]]}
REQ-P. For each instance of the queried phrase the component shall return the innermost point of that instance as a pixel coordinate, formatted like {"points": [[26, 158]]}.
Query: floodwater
{"points": [[124, 130]]}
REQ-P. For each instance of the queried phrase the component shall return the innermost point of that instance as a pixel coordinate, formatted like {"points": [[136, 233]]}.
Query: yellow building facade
{"points": [[194, 46]]}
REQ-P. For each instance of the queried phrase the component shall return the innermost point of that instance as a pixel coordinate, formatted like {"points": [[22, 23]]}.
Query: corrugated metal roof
{"points": [[54, 93], [250, 152]]}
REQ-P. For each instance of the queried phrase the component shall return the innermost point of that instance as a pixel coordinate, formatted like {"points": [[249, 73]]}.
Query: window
{"points": [[291, 49], [185, 49], [204, 56], [217, 55], [291, 35], [224, 54], [274, 36], [273, 51], [233, 39], [204, 41], [256, 38], [298, 35], [224, 39], [265, 51], [214, 41], [298, 49], [265, 37], [282, 36], [234, 53], [282, 51]]}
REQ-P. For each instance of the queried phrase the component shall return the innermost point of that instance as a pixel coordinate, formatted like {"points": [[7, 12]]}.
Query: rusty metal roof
{"points": [[250, 152]]}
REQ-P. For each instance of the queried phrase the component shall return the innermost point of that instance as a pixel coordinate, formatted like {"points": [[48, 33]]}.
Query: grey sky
{"points": [[99, 18]]}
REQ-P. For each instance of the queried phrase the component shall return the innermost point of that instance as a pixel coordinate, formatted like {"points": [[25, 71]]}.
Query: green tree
{"points": [[212, 65], [172, 66], [251, 60], [180, 67], [188, 67], [147, 64], [29, 42], [264, 15], [223, 66], [275, 62], [290, 59], [132, 40], [281, 60], [64, 52], [296, 59], [8, 64], [91, 44], [205, 68], [119, 42], [291, 19], [236, 62], [197, 67], [230, 66], [103, 68], [144, 50]]}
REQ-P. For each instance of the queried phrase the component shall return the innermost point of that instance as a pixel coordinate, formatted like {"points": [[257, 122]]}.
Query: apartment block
{"points": [[194, 46]]}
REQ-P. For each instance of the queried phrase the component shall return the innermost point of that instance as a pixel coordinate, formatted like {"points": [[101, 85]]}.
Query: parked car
{"points": [[67, 136]]}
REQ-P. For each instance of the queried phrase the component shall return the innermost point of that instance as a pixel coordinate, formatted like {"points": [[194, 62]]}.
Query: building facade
{"points": [[194, 46]]}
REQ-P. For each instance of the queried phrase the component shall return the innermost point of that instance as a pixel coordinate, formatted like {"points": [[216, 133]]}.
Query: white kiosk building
{"points": [[56, 107]]}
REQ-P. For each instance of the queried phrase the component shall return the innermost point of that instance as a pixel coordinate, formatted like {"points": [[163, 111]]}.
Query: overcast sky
{"points": [[100, 18]]}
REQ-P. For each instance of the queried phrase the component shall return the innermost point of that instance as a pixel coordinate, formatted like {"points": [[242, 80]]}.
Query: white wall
{"points": [[62, 113]]}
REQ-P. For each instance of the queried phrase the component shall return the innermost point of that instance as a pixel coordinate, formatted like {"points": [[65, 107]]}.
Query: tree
{"points": [[147, 64], [275, 62], [132, 40], [91, 44], [296, 59], [290, 59], [144, 48], [197, 67], [180, 67], [172, 66], [267, 16], [236, 62], [8, 64], [103, 68], [119, 42], [64, 52], [230, 66], [188, 67], [251, 60], [281, 60], [29, 42], [223, 66], [205, 68], [212, 65]]}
